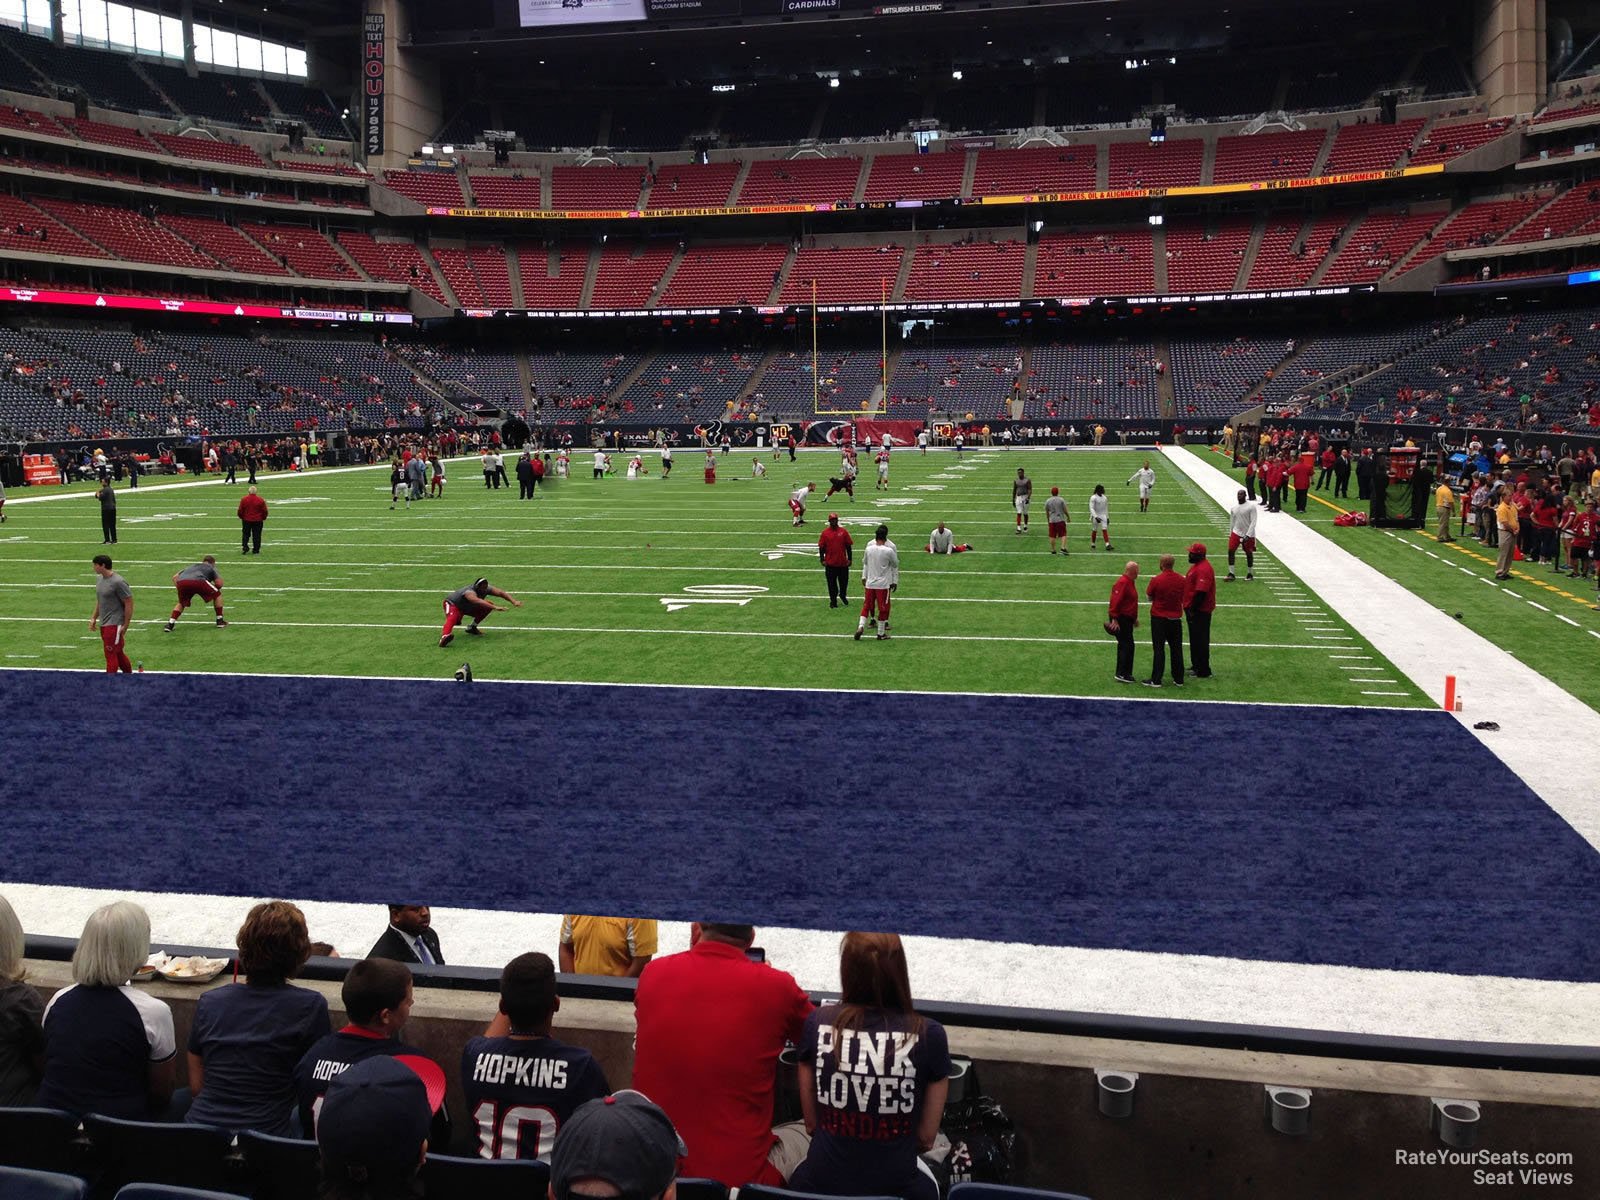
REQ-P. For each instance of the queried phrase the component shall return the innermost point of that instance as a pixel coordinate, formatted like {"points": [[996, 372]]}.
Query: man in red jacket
{"points": [[1300, 473], [1199, 602], [252, 514], [1274, 474], [1165, 592], [835, 548], [1328, 459], [1123, 616], [710, 1026]]}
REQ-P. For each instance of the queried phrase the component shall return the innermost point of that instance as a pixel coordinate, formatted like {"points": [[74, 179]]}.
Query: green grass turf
{"points": [[346, 586], [1561, 650]]}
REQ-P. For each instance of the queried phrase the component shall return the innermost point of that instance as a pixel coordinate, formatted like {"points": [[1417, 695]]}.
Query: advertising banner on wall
{"points": [[373, 85]]}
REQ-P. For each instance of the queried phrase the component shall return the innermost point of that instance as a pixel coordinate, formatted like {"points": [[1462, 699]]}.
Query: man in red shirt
{"points": [[1585, 527], [835, 549], [1274, 476], [711, 1024], [1300, 474], [1199, 602], [1328, 459], [1123, 616], [252, 515], [1165, 593]]}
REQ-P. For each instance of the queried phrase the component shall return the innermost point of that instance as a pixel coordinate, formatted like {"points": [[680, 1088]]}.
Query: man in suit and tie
{"points": [[410, 937]]}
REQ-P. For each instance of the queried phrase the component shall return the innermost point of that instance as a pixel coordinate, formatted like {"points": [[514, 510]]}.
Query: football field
{"points": [[672, 581]]}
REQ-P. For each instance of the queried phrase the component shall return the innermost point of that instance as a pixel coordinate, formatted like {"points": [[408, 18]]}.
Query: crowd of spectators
{"points": [[262, 1055]]}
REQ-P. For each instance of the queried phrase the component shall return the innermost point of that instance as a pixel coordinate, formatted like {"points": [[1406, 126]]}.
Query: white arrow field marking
{"points": [[715, 593], [158, 517], [675, 603]]}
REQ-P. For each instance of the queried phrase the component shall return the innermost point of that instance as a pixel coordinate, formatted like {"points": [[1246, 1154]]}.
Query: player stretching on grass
{"points": [[1099, 516], [474, 602], [199, 580], [1242, 532], [1147, 480], [797, 502], [847, 485]]}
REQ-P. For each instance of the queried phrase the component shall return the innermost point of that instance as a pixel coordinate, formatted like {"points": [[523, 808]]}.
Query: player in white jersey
{"points": [[797, 502], [666, 460], [758, 469], [880, 578], [883, 472], [563, 462], [1099, 516], [922, 440], [1147, 480], [635, 467], [602, 461], [1242, 532]]}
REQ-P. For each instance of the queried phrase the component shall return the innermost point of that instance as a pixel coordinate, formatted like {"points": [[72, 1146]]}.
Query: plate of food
{"points": [[195, 968], [153, 966]]}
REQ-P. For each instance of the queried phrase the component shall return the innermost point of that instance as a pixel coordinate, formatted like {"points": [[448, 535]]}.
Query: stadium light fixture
{"points": [[1157, 219], [1289, 1110], [427, 151], [1455, 1122], [448, 150], [1038, 226], [956, 75], [834, 82]]}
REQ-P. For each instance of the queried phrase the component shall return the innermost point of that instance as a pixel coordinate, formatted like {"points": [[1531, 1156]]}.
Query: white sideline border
{"points": [[1427, 644], [1057, 978]]}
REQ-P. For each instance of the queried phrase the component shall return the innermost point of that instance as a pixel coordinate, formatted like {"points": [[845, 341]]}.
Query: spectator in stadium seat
{"points": [[618, 946], [621, 1146], [109, 1047], [870, 1044], [711, 1025], [21, 1018], [247, 1038], [410, 937], [373, 1128]]}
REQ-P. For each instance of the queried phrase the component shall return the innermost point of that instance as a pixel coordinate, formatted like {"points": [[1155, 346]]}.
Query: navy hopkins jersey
{"points": [[520, 1091], [331, 1057]]}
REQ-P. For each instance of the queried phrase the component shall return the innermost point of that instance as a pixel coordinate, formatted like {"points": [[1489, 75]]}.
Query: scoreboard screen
{"points": [[541, 14]]}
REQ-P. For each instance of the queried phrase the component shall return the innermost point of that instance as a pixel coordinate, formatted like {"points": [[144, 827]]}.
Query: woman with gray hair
{"points": [[21, 1018], [108, 1047]]}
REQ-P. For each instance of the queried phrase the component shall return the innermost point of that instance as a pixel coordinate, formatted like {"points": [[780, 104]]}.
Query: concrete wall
{"points": [[1508, 55], [1197, 1131], [413, 109]]}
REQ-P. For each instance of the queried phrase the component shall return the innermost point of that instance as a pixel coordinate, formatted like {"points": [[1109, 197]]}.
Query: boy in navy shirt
{"points": [[522, 1084]]}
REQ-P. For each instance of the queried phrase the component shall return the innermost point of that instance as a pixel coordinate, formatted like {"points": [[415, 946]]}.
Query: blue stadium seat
{"points": [[701, 1189], [1000, 1191], [281, 1168], [41, 1139], [447, 1178], [174, 1154], [19, 1184], [759, 1191], [162, 1191]]}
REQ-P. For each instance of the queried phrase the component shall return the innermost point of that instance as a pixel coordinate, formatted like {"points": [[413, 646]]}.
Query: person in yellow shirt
{"points": [[606, 945], [1505, 515], [1444, 504]]}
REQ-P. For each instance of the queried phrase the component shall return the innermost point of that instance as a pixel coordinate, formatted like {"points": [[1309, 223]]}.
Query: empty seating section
{"points": [[102, 75], [1315, 367], [992, 103], [720, 275], [505, 191], [478, 275], [1287, 155], [1212, 378], [1174, 163], [225, 244], [1444, 142], [689, 386], [396, 262], [1191, 84], [1439, 73], [127, 234], [800, 181], [307, 250], [577, 380], [208, 149], [605, 188], [1290, 255], [843, 275], [657, 120], [1026, 172], [110, 135], [230, 98], [1201, 259], [628, 275], [427, 187], [844, 382], [21, 224], [690, 185], [974, 271], [539, 288], [1092, 380], [957, 378], [1479, 224], [1115, 262], [1587, 109], [1327, 87], [865, 112], [771, 119], [309, 104], [1371, 147], [1376, 245], [28, 121], [471, 378], [1573, 212], [551, 124], [916, 176], [456, 267]]}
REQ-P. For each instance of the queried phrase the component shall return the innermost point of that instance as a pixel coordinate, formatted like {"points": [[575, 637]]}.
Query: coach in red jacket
{"points": [[835, 549], [1166, 622], [1123, 616], [1300, 475], [253, 515], [1199, 602]]}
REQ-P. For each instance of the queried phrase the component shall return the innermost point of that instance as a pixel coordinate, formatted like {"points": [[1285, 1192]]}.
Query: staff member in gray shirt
{"points": [[113, 612], [108, 513]]}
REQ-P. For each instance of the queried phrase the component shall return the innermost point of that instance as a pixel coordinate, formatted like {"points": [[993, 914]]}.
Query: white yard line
{"points": [[1425, 644]]}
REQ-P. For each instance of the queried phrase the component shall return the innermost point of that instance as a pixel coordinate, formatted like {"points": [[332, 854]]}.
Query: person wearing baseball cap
{"points": [[373, 1127], [835, 548], [622, 1146], [1199, 602]]}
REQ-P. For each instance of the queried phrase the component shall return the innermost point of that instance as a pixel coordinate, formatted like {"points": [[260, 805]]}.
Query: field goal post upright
{"points": [[833, 409]]}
